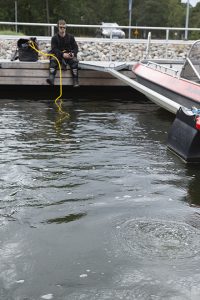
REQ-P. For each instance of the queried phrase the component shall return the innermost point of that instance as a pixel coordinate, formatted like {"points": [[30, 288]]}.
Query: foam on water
{"points": [[154, 238]]}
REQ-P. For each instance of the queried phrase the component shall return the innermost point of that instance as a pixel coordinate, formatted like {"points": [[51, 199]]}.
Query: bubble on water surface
{"points": [[121, 294], [83, 275], [20, 281], [47, 296], [144, 285], [158, 238]]}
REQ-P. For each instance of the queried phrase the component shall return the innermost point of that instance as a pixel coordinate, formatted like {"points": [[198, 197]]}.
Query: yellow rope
{"points": [[59, 105]]}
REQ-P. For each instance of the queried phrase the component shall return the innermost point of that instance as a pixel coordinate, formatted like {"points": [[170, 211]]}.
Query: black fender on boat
{"points": [[184, 137]]}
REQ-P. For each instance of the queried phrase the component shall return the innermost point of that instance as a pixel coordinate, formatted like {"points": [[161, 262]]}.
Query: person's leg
{"points": [[73, 63], [52, 71]]}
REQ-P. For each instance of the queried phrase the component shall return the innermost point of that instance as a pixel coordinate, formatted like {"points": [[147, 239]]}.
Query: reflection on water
{"points": [[193, 195], [65, 219], [61, 115], [95, 206]]}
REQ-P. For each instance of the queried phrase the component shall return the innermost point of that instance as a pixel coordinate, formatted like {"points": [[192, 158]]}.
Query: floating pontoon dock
{"points": [[91, 73], [35, 73]]}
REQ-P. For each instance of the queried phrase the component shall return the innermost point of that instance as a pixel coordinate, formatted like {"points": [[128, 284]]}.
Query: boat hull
{"points": [[184, 137], [179, 90]]}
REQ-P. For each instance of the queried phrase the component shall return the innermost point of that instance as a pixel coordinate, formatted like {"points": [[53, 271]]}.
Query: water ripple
{"points": [[152, 238]]}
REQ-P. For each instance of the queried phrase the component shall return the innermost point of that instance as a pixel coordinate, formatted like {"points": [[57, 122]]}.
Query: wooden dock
{"points": [[17, 73], [26, 76]]}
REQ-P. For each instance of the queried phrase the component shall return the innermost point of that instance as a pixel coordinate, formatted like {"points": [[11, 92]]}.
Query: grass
{"points": [[10, 32]]}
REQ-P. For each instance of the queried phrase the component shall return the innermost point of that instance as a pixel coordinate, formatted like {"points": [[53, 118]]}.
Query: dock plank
{"points": [[35, 73], [65, 74], [42, 81], [7, 64]]}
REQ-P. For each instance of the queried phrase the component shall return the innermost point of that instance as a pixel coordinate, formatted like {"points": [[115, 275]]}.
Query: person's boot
{"points": [[75, 82], [51, 78], [75, 78]]}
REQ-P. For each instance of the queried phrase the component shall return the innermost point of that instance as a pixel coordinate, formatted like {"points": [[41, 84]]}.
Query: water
{"points": [[95, 206]]}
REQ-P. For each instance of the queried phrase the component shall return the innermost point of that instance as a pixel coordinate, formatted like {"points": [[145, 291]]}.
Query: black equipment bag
{"points": [[24, 52]]}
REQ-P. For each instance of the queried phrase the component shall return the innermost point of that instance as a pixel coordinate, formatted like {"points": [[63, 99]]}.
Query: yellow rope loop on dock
{"points": [[58, 104]]}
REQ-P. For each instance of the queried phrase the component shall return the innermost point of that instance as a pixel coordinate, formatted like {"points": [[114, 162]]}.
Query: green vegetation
{"points": [[10, 32], [162, 13]]}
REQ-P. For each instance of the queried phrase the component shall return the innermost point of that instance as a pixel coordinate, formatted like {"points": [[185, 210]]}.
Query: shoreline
{"points": [[118, 50]]}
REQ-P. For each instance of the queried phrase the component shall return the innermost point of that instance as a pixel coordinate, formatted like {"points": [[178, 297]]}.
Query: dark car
{"points": [[110, 30]]}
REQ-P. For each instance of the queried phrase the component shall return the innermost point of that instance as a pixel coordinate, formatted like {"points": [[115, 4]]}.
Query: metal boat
{"points": [[180, 84]]}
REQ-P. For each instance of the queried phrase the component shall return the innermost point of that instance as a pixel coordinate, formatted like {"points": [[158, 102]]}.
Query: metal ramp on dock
{"points": [[113, 68], [102, 65], [155, 97]]}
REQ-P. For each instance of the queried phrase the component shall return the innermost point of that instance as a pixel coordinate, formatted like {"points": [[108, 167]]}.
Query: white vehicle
{"points": [[111, 30]]}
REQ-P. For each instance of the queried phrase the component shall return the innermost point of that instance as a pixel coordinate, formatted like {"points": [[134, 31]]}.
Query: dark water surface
{"points": [[95, 206]]}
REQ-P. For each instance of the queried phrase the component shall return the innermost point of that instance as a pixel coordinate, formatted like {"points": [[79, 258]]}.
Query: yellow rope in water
{"points": [[58, 104]]}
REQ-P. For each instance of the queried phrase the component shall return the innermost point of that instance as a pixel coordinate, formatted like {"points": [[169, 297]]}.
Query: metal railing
{"points": [[148, 33], [162, 68], [137, 31], [193, 68], [148, 45]]}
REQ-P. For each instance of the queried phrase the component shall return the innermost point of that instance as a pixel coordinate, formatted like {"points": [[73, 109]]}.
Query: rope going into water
{"points": [[58, 104]]}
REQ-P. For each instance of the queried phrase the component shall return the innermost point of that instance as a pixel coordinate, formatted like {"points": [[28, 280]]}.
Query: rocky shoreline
{"points": [[105, 51]]}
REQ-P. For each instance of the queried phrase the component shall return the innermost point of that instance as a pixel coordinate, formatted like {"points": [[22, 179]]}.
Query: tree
{"points": [[162, 13], [195, 21], [151, 13], [176, 17]]}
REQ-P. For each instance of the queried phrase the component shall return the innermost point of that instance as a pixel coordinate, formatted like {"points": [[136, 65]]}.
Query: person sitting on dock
{"points": [[65, 48]]}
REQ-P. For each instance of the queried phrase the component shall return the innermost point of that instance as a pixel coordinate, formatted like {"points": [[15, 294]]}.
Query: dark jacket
{"points": [[60, 44]]}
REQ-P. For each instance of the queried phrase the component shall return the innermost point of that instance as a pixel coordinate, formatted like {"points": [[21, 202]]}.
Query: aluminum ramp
{"points": [[114, 67], [102, 65], [155, 97]]}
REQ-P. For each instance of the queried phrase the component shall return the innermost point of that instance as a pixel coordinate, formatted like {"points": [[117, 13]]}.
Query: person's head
{"points": [[61, 27]]}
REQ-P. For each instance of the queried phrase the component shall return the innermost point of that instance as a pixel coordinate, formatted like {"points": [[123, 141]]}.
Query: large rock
{"points": [[104, 51]]}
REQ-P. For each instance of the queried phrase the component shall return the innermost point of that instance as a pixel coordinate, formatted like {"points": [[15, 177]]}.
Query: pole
{"points": [[16, 16], [130, 15], [47, 13], [187, 19]]}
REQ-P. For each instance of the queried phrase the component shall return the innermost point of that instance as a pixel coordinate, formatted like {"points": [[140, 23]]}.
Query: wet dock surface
{"points": [[94, 206]]}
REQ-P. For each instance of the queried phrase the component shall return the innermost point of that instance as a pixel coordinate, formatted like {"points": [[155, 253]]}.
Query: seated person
{"points": [[65, 48]]}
